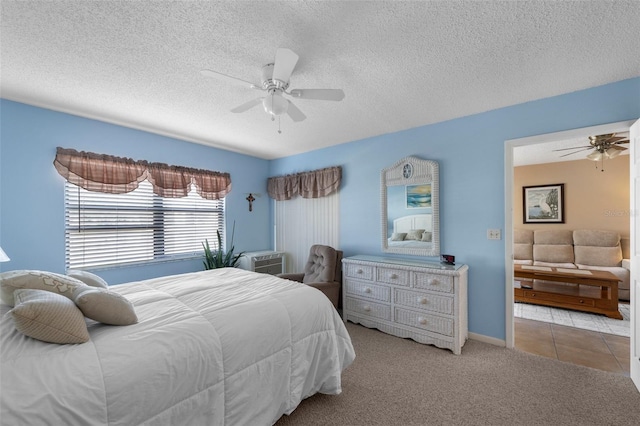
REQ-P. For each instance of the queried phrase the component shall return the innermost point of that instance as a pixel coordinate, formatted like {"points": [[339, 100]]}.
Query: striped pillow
{"points": [[48, 316]]}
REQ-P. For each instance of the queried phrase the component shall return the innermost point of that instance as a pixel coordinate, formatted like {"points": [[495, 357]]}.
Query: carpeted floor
{"points": [[583, 320], [397, 381]]}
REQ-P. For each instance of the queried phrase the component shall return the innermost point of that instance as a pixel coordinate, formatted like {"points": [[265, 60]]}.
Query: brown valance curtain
{"points": [[313, 184], [117, 175]]}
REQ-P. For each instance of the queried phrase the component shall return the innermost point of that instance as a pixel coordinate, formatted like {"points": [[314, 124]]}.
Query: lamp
{"points": [[3, 256], [612, 152], [274, 103], [595, 156]]}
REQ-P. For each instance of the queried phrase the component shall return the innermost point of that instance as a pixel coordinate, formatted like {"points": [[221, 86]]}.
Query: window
{"points": [[136, 227]]}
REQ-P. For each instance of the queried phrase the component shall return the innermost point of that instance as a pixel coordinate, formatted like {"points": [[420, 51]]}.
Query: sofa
{"points": [[598, 250]]}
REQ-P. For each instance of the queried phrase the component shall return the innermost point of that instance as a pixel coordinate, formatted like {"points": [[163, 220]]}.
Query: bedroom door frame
{"points": [[510, 145]]}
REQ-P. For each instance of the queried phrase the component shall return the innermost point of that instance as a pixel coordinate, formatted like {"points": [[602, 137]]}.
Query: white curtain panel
{"points": [[303, 222]]}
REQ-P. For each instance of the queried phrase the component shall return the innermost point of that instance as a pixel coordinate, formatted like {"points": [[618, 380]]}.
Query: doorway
{"points": [[510, 146]]}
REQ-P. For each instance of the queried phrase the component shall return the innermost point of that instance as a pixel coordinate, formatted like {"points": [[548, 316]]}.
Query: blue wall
{"points": [[470, 151], [32, 198]]}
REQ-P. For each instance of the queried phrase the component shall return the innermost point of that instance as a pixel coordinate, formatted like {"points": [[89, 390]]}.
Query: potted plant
{"points": [[218, 258]]}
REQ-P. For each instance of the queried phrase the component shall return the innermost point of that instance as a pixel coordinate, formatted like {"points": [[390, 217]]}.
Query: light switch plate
{"points": [[494, 234]]}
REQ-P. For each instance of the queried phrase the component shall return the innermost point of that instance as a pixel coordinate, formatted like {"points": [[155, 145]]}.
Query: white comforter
{"points": [[220, 347]]}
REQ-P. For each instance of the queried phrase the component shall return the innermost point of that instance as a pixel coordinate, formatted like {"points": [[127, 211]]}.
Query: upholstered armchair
{"points": [[322, 271]]}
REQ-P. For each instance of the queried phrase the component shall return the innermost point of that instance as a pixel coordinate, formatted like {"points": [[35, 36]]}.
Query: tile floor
{"points": [[590, 348]]}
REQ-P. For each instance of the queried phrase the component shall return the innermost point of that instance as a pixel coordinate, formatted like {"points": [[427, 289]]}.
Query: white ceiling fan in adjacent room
{"points": [[275, 82], [603, 147]]}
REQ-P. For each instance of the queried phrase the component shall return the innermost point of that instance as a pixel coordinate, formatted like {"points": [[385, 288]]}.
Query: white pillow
{"points": [[38, 280], [398, 236], [48, 316], [106, 307], [427, 237], [414, 234], [88, 278]]}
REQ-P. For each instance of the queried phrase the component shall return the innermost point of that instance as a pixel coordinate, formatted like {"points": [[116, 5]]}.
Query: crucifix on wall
{"points": [[250, 199]]}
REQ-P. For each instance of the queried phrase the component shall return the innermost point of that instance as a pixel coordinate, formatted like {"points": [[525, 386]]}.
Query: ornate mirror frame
{"points": [[411, 171]]}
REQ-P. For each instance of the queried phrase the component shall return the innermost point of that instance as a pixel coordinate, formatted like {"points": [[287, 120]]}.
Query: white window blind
{"points": [[137, 227], [303, 222]]}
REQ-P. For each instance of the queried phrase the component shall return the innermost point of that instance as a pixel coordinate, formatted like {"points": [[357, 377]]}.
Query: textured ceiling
{"points": [[400, 64]]}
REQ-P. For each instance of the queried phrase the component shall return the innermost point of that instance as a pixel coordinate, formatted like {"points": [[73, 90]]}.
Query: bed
{"points": [[404, 226], [218, 347]]}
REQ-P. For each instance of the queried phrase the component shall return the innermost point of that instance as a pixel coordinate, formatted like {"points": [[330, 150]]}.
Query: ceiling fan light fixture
{"points": [[595, 156], [275, 104], [612, 152]]}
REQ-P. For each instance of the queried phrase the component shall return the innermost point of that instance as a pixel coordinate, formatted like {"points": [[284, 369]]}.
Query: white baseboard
{"points": [[488, 339]]}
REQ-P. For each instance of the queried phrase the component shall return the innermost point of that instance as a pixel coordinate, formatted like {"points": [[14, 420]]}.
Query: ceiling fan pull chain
{"points": [[279, 131]]}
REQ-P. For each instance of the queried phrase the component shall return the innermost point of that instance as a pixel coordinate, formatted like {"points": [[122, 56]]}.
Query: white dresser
{"points": [[265, 262], [426, 302]]}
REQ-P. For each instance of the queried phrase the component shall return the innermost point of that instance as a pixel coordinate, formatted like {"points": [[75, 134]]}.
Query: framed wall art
{"points": [[543, 203], [418, 196]]}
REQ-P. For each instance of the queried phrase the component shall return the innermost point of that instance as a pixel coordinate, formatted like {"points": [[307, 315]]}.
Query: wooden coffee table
{"points": [[578, 289]]}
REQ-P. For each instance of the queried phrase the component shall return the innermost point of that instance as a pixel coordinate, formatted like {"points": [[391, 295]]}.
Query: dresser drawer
{"points": [[425, 321], [442, 283], [370, 309], [370, 291], [361, 272], [392, 276], [425, 301]]}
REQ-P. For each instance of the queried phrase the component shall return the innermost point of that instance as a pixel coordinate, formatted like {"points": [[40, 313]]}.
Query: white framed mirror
{"points": [[409, 201]]}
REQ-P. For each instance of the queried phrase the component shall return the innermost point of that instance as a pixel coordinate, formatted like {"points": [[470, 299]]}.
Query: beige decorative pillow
{"points": [[88, 278], [106, 307], [48, 316], [398, 236], [38, 280], [414, 234], [427, 237]]}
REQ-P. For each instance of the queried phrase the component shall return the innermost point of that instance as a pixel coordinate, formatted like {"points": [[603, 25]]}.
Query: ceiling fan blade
{"points": [[575, 147], [321, 94], [229, 79], [575, 152], [247, 105], [619, 148], [284, 64], [294, 112], [615, 139]]}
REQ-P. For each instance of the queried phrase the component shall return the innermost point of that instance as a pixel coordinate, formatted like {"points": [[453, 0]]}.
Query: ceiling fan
{"points": [[275, 82], [605, 147]]}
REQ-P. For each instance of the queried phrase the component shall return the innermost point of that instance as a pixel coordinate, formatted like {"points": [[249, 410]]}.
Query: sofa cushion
{"points": [[523, 245], [553, 246], [622, 273], [597, 248], [596, 238], [553, 237], [598, 256], [553, 253], [523, 236]]}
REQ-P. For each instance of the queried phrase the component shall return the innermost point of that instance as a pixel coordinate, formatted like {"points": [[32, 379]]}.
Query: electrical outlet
{"points": [[493, 234]]}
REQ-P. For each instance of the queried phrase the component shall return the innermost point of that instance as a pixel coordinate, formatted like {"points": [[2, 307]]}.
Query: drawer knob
{"points": [[393, 276], [422, 300], [359, 271], [367, 290], [581, 300], [433, 281], [367, 308], [422, 320]]}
